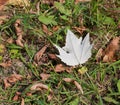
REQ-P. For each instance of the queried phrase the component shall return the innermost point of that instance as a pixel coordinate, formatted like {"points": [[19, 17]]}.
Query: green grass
{"points": [[101, 83]]}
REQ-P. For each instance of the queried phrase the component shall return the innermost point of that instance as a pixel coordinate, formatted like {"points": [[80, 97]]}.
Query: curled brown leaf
{"points": [[69, 80], [11, 79], [40, 87], [6, 64], [39, 54], [109, 54], [44, 76], [19, 32], [59, 68]]}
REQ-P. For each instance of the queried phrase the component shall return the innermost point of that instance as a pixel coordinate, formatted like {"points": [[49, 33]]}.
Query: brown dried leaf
{"points": [[2, 4], [52, 56], [39, 54], [78, 86], [11, 79], [44, 76], [68, 80], [45, 29], [14, 78], [55, 28], [16, 97], [59, 68], [5, 65], [19, 32], [110, 51], [22, 101], [6, 83], [80, 29], [10, 40], [50, 96], [40, 86]]}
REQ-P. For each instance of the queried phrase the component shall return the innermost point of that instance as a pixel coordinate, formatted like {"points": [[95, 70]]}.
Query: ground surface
{"points": [[30, 72]]}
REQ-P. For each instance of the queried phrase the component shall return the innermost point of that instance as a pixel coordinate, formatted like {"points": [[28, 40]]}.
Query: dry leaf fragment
{"points": [[44, 76], [2, 4], [111, 49], [110, 53], [45, 29], [80, 29], [69, 80], [11, 79], [39, 54], [52, 56], [22, 101], [6, 64], [19, 32], [40, 86], [14, 77], [16, 97], [59, 68], [6, 83], [78, 86]]}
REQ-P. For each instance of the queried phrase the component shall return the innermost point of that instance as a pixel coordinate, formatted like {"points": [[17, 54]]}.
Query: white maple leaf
{"points": [[76, 51]]}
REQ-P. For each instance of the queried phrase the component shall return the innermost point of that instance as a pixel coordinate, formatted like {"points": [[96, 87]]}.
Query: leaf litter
{"points": [[111, 52]]}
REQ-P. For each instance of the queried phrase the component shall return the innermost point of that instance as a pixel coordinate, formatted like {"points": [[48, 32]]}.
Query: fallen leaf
{"points": [[39, 54], [111, 49], [45, 30], [44, 76], [76, 51], [19, 32], [6, 83], [55, 28], [69, 80], [80, 29], [41, 87], [111, 52], [6, 64], [17, 96], [52, 56], [10, 40], [14, 77], [59, 68], [79, 87], [2, 4], [11, 79], [22, 101]]}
